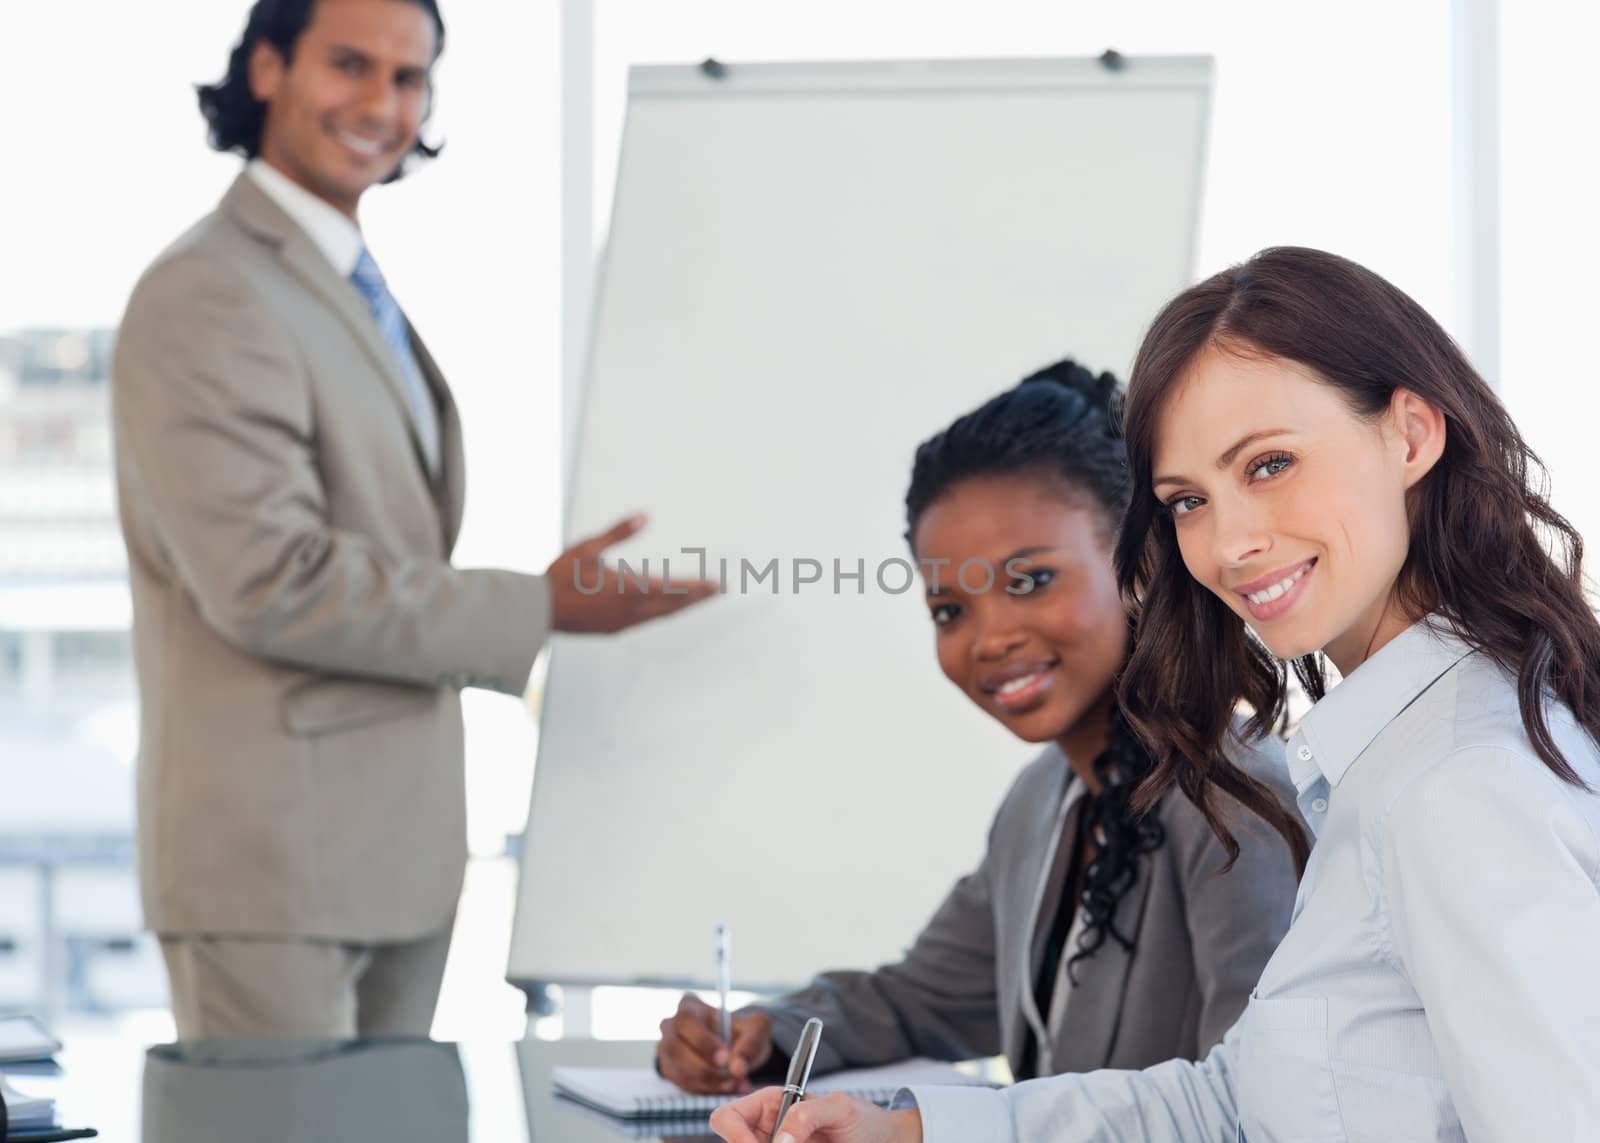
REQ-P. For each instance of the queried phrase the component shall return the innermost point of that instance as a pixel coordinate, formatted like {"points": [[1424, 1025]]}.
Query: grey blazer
{"points": [[300, 636], [965, 987]]}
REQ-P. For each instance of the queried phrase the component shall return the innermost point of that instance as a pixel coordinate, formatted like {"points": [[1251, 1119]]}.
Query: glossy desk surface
{"points": [[353, 1092]]}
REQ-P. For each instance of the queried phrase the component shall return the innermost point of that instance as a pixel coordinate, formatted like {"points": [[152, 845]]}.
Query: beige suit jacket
{"points": [[300, 635]]}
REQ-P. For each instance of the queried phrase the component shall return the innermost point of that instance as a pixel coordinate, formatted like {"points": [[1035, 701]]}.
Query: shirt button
{"points": [[1304, 753], [1319, 805]]}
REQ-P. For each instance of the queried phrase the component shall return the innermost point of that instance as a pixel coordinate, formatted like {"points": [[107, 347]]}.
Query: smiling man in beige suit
{"points": [[289, 468]]}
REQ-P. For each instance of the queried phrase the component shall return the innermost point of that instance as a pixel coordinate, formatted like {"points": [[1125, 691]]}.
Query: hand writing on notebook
{"points": [[835, 1118], [692, 1056]]}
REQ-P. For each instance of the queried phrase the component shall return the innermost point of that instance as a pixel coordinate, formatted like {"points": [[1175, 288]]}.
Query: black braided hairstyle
{"points": [[1061, 425]]}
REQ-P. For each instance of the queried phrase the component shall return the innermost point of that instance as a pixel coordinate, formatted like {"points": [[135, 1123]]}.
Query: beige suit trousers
{"points": [[246, 988]]}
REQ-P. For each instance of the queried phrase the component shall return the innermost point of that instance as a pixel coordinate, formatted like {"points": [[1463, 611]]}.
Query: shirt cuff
{"points": [[957, 1114]]}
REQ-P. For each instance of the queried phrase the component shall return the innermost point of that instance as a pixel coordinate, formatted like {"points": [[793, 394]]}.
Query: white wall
{"points": [[1331, 125], [1552, 244]]}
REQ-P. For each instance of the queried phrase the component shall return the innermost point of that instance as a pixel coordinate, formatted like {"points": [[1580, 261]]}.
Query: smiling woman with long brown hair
{"points": [[1320, 474]]}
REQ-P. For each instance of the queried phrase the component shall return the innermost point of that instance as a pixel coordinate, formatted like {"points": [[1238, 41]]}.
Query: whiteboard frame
{"points": [[1193, 74], [1147, 73]]}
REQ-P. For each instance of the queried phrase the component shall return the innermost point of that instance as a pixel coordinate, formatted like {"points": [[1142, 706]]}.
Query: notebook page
{"points": [[22, 1038], [639, 1092], [26, 1110]]}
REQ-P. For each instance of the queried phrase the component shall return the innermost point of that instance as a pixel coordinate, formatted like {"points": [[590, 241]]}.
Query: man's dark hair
{"points": [[235, 116]]}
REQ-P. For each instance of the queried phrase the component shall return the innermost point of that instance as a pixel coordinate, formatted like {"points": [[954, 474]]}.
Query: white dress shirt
{"points": [[1441, 978], [338, 238], [331, 231]]}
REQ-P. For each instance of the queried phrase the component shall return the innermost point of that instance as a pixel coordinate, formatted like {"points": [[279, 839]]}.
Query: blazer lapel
{"points": [[1033, 897], [1089, 1025], [250, 206], [450, 486]]}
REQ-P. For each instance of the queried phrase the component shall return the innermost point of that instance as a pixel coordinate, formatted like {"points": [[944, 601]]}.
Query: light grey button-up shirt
{"points": [[1441, 977]]}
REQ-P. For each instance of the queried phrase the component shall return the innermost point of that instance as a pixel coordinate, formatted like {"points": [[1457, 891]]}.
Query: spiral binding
{"points": [[670, 1105]]}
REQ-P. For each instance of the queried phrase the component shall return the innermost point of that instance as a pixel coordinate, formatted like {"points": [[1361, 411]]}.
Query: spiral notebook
{"points": [[24, 1112], [638, 1093], [675, 1128]]}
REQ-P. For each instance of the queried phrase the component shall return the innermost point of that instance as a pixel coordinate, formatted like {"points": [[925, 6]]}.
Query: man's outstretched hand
{"points": [[587, 596]]}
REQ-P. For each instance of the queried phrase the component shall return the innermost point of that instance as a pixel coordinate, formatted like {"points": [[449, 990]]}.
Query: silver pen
{"points": [[794, 1084], [724, 982]]}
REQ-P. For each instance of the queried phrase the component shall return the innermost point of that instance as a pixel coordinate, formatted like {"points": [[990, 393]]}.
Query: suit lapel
{"points": [[1033, 906], [1094, 1010], [450, 486], [250, 206]]}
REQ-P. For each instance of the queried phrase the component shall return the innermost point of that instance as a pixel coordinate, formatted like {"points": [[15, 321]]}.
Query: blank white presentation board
{"points": [[811, 268]]}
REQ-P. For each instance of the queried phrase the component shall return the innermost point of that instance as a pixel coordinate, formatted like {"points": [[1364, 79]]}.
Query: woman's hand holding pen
{"points": [[827, 1119], [692, 1055]]}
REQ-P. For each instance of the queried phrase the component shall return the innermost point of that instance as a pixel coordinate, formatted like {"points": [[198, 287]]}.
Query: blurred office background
{"points": [[1445, 144]]}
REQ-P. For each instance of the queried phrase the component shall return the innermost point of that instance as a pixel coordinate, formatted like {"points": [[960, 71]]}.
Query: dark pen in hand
{"points": [[794, 1085]]}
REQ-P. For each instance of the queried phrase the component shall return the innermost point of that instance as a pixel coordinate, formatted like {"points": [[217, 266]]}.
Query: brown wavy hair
{"points": [[1488, 554]]}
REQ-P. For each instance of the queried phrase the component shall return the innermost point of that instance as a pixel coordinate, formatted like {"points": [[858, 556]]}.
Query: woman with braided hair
{"points": [[1090, 935]]}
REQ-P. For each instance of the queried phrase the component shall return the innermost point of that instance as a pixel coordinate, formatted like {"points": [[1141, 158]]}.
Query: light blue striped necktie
{"points": [[392, 324]]}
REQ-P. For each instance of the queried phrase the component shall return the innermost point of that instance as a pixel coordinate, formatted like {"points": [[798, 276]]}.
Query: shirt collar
{"points": [[1341, 727], [330, 230]]}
